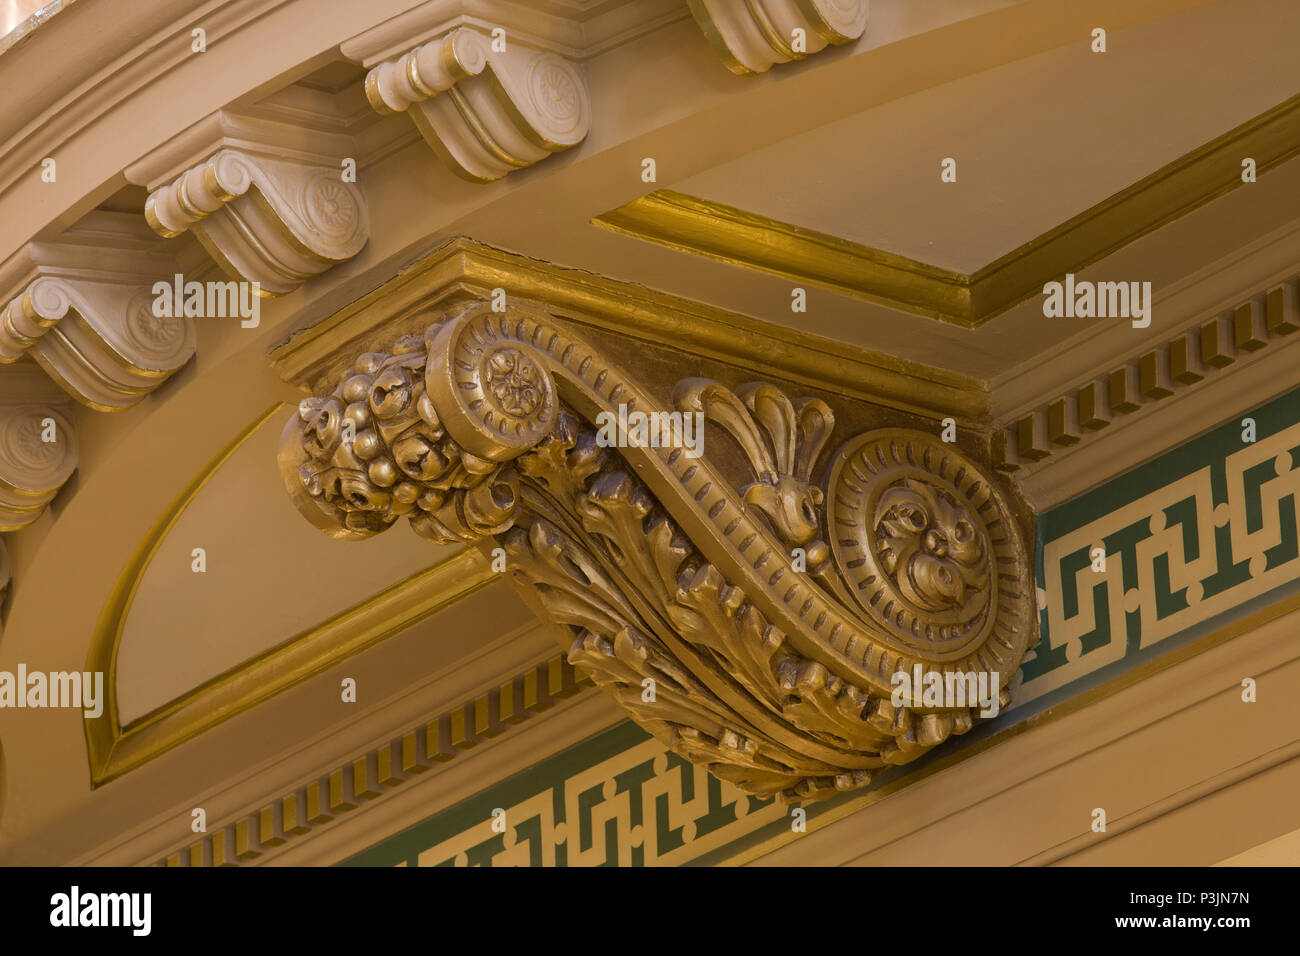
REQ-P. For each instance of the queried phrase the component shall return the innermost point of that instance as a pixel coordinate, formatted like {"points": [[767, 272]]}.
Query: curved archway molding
{"points": [[115, 746]]}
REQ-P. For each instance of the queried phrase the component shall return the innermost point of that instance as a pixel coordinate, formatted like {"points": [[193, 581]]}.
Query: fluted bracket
{"points": [[277, 221], [754, 626], [485, 112], [752, 36]]}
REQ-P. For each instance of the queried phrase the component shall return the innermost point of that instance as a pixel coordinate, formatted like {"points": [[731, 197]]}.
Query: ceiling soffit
{"points": [[701, 227]]}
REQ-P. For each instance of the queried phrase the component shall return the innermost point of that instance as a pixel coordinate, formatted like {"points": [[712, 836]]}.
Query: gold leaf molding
{"points": [[717, 231]]}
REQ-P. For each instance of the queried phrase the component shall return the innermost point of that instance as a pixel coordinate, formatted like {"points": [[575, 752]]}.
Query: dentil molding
{"points": [[752, 36], [1076, 431], [486, 105], [748, 605]]}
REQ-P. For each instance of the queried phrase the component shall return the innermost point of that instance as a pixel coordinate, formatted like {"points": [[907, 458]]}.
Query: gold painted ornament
{"points": [[658, 571]]}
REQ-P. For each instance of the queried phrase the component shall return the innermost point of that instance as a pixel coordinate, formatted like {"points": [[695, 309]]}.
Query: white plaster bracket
{"points": [[82, 308], [38, 452], [274, 220], [485, 111]]}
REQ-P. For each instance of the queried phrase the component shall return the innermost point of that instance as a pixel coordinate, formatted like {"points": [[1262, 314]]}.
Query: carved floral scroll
{"points": [[753, 628]]}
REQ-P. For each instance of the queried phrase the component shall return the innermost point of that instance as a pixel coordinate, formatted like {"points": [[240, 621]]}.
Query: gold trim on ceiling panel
{"points": [[1168, 194], [113, 750], [462, 266], [727, 234]]}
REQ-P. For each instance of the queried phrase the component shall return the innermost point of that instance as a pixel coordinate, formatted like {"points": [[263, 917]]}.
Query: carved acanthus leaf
{"points": [[781, 439]]}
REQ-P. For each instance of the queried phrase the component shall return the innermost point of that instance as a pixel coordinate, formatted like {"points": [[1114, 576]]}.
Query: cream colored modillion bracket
{"points": [[485, 112], [277, 220], [38, 449], [747, 597], [752, 36], [83, 308], [38, 452]]}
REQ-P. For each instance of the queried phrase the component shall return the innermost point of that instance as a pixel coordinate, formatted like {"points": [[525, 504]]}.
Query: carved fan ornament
{"points": [[771, 618]]}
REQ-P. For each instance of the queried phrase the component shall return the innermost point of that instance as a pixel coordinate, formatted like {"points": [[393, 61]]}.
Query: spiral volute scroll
{"points": [[770, 618], [925, 541]]}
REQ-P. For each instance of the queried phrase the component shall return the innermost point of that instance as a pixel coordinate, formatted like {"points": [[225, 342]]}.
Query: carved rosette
{"points": [[771, 666], [921, 533], [485, 112], [38, 453]]}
